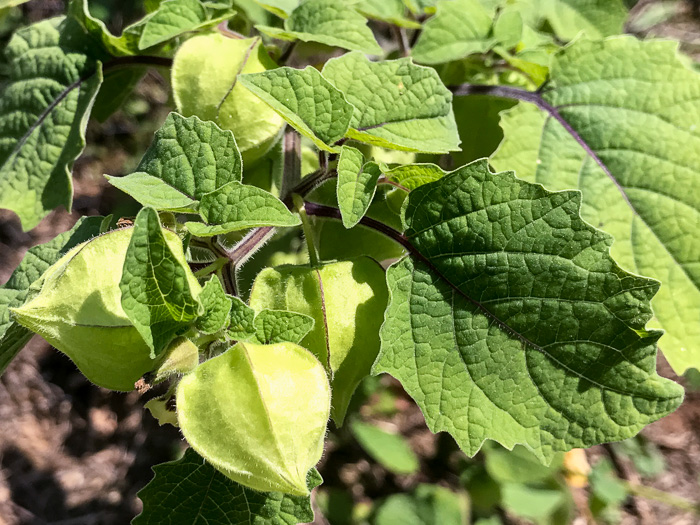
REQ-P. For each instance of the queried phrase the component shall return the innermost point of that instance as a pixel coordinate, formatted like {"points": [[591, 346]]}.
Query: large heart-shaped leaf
{"points": [[633, 148], [511, 322]]}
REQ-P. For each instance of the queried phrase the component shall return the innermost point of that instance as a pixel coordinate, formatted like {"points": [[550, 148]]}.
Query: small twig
{"points": [[402, 39], [291, 175], [384, 180], [299, 205]]}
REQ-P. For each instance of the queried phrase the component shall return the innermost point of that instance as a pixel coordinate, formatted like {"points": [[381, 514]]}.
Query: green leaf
{"points": [[428, 504], [328, 22], [458, 29], [117, 87], [153, 192], [533, 503], [172, 18], [398, 105], [595, 18], [159, 292], [412, 176], [187, 159], [15, 291], [237, 206], [633, 104], [205, 83], [258, 414], [306, 100], [279, 326], [389, 11], [190, 490], [217, 307], [281, 8], [357, 183], [44, 108], [389, 449], [241, 327], [175, 17], [180, 357], [519, 465], [511, 322], [346, 300]]}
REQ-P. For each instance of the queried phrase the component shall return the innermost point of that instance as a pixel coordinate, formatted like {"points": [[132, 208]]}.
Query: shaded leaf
{"points": [[190, 490], [389, 449], [44, 108], [217, 307]]}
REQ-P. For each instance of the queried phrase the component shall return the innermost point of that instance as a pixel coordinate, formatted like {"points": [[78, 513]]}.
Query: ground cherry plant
{"points": [[518, 292]]}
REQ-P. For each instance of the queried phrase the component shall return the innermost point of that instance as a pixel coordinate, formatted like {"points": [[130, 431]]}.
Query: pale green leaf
{"points": [[458, 29], [217, 307], [511, 322], [237, 206], [279, 326], [389, 449], [390, 11], [189, 490], [44, 107], [398, 105], [595, 18], [15, 291], [152, 191], [187, 159], [241, 326], [281, 8], [635, 105], [328, 22], [306, 100], [357, 183], [172, 18], [412, 176], [158, 294]]}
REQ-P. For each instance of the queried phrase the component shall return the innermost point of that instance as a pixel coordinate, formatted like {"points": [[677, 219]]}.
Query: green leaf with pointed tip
{"points": [[190, 490], [15, 291], [458, 29], [280, 326], [44, 108], [511, 321], [390, 11], [180, 357], [237, 206], [258, 414], [346, 300], [187, 159], [328, 22], [205, 83], [634, 104], [398, 105], [217, 307], [389, 449], [172, 18], [159, 292], [153, 192], [568, 18], [412, 176], [241, 327], [357, 183], [306, 100], [281, 8]]}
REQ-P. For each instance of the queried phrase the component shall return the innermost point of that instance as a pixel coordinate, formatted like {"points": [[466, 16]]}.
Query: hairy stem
{"points": [[308, 232]]}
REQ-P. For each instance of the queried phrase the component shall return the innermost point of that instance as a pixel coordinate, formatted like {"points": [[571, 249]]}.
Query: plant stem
{"points": [[308, 231], [662, 497], [291, 175], [144, 60], [213, 267], [402, 39]]}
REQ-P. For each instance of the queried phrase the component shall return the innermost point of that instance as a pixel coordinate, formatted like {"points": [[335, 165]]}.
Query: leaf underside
{"points": [[511, 322]]}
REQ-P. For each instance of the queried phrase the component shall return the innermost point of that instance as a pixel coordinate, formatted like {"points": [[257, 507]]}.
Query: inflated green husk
{"points": [[77, 308]]}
